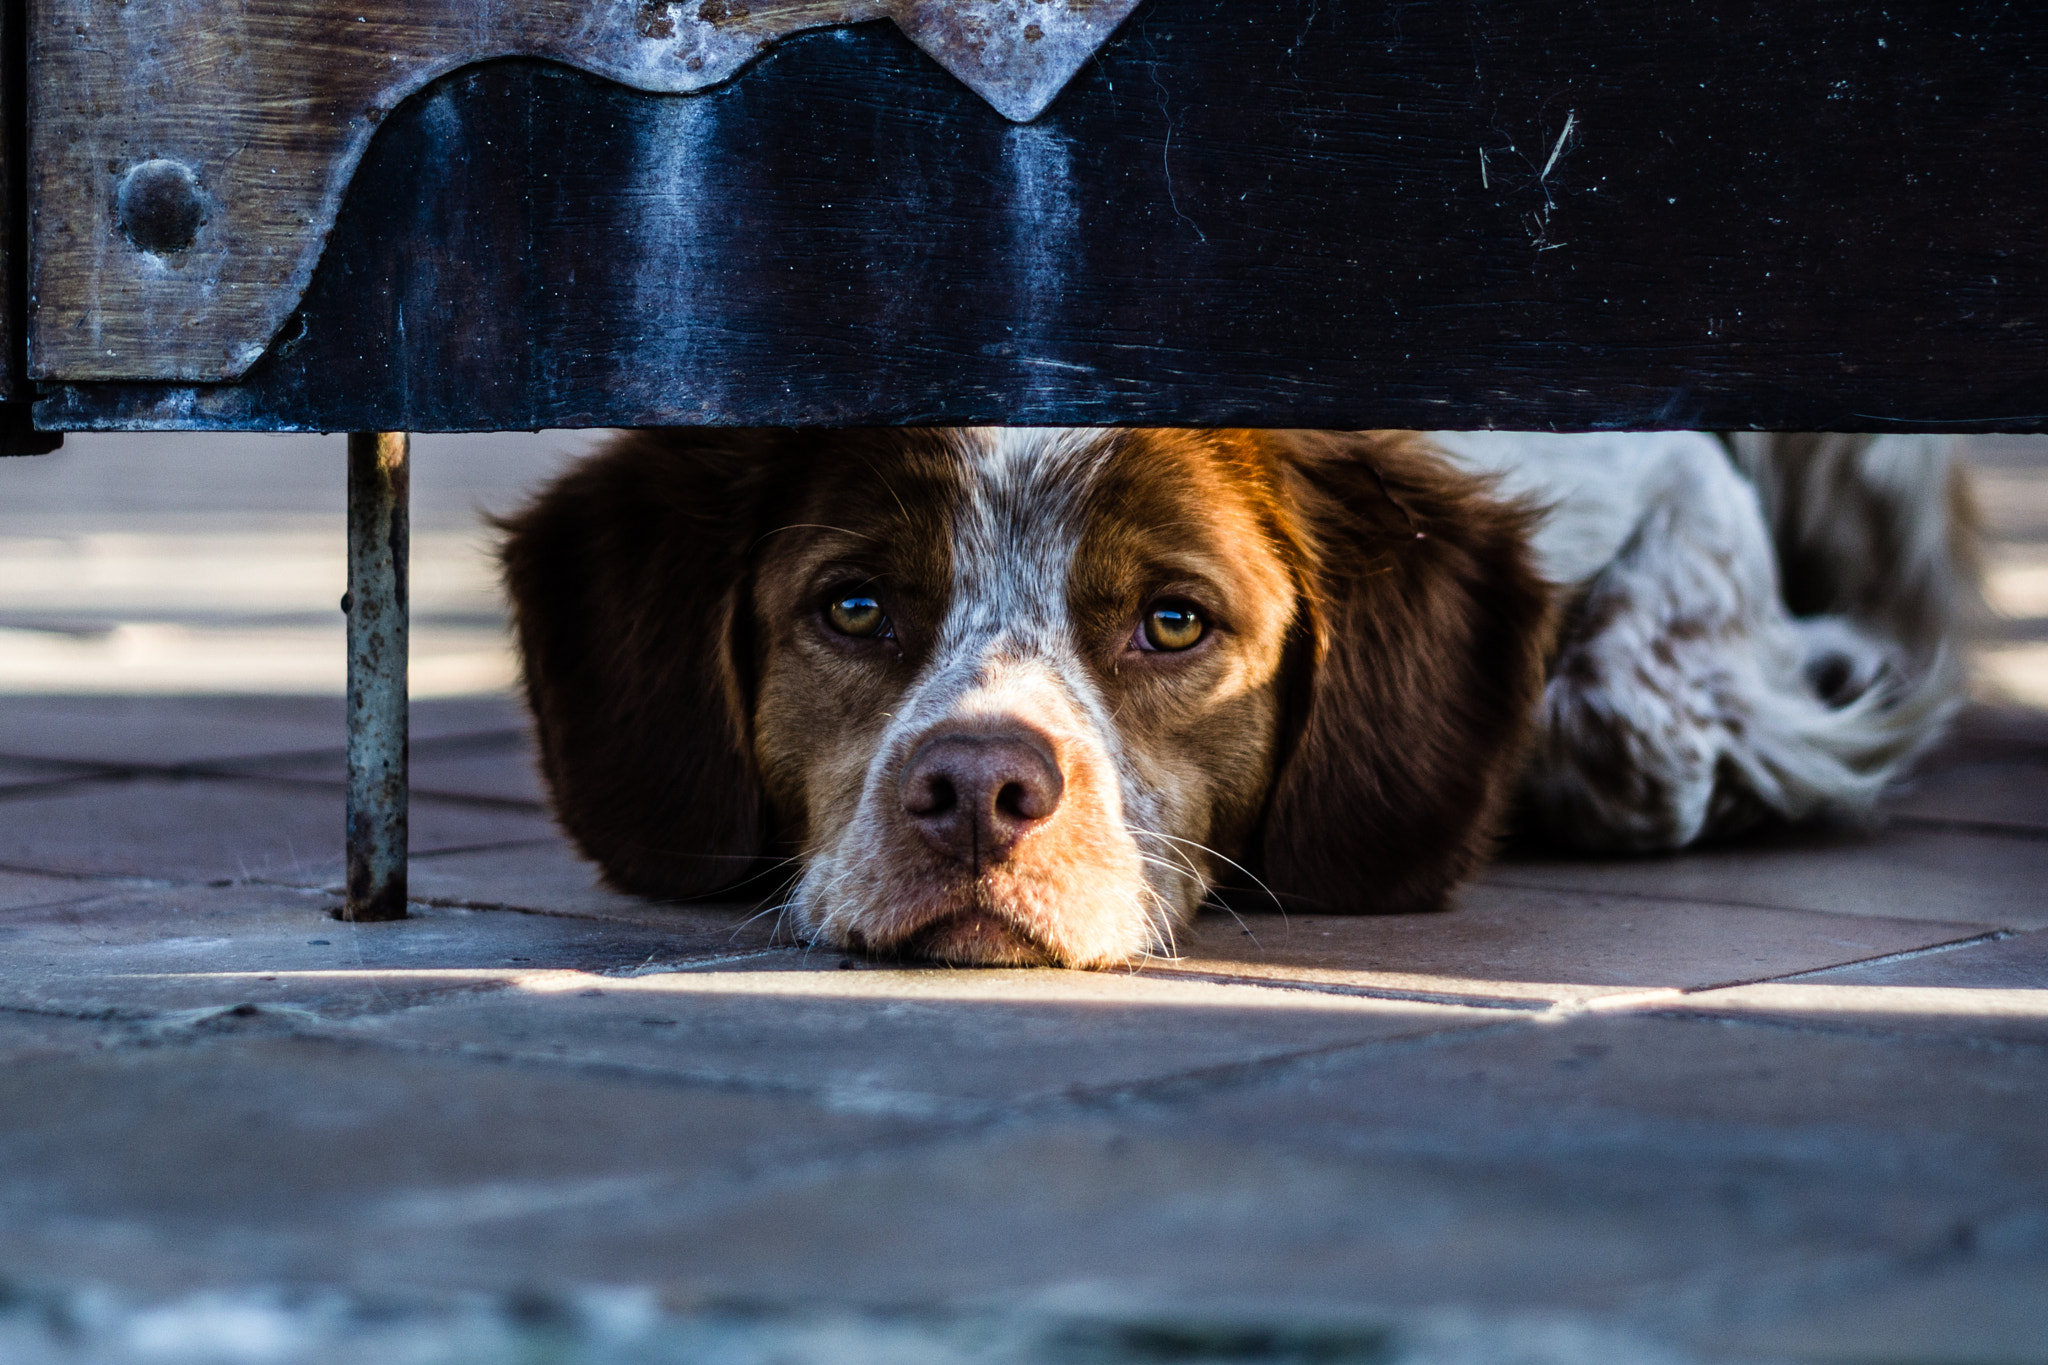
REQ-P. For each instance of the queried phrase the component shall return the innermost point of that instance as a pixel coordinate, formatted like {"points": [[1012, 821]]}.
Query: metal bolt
{"points": [[158, 207]]}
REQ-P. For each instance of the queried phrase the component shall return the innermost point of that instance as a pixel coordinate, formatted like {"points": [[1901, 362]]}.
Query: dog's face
{"points": [[1018, 688], [1021, 696]]}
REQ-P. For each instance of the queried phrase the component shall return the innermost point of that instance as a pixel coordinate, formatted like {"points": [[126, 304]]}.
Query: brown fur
{"points": [[628, 582], [1353, 736], [1419, 664]]}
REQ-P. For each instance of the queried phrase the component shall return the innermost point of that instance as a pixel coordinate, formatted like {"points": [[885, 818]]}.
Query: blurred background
{"points": [[2012, 489], [214, 564]]}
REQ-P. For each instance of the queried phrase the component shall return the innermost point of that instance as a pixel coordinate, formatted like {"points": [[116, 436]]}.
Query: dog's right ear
{"points": [[628, 585], [1419, 665]]}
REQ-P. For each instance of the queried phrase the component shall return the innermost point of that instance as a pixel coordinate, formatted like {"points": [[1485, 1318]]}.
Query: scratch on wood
{"points": [[1570, 117], [1166, 158]]}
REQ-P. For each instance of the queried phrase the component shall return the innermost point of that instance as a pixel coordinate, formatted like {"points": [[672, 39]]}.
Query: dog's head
{"points": [[1023, 696]]}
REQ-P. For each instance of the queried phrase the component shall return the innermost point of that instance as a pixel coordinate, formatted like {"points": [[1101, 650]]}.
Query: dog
{"points": [[1030, 696]]}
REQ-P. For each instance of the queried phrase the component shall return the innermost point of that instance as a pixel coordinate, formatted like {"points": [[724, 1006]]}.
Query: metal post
{"points": [[379, 484]]}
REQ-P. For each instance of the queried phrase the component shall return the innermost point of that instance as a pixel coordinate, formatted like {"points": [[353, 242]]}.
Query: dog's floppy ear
{"points": [[1418, 665], [628, 585]]}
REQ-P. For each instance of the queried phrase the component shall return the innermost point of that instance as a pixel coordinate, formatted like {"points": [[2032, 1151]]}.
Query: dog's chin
{"points": [[968, 926], [1007, 917], [976, 938]]}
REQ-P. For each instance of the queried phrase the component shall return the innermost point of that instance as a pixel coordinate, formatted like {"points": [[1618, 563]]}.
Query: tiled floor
{"points": [[1782, 1100]]}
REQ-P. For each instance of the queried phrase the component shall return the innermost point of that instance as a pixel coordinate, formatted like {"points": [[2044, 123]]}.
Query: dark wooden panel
{"points": [[17, 435], [1594, 213], [12, 316]]}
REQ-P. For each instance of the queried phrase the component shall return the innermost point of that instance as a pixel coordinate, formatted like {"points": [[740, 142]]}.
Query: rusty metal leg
{"points": [[379, 484]]}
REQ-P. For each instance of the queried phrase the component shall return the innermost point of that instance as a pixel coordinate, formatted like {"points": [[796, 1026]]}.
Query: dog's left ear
{"points": [[1417, 671], [627, 577]]}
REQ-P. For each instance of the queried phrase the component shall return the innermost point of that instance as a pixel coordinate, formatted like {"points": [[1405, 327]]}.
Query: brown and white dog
{"points": [[1015, 696]]}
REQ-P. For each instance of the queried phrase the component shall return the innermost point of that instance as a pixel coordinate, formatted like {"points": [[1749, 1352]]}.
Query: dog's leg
{"points": [[1687, 700]]}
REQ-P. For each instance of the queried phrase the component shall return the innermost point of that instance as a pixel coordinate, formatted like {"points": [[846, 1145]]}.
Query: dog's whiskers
{"points": [[1204, 848]]}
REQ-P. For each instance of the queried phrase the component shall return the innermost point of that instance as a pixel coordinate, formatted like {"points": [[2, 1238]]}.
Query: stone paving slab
{"points": [[1361, 1182], [1994, 991], [1997, 1315], [175, 730], [1973, 1013], [546, 876], [1965, 878], [494, 764], [1506, 943], [192, 951], [597, 1323], [211, 830], [16, 774], [2004, 794], [1991, 771], [913, 1039], [1800, 1168], [1185, 1220], [507, 776], [2012, 962], [1989, 734], [712, 1195], [217, 1161], [26, 888], [1928, 1118], [26, 1036]]}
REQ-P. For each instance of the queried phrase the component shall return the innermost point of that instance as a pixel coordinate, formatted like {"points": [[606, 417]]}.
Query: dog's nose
{"points": [[972, 797]]}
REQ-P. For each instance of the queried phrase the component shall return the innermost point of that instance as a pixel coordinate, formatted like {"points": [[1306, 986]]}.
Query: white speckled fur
{"points": [[1682, 702], [1007, 650]]}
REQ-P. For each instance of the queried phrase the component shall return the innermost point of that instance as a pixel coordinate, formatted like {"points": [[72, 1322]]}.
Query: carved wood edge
{"points": [[189, 157]]}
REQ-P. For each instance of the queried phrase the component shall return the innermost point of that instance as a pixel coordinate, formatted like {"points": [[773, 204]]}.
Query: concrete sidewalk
{"points": [[1782, 1101]]}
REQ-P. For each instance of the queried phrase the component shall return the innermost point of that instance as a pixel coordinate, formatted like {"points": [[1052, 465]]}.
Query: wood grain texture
{"points": [[18, 435], [1583, 214], [11, 114], [253, 114]]}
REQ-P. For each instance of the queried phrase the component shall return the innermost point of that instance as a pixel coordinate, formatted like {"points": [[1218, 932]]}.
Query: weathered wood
{"points": [[1587, 213], [12, 129], [17, 434], [190, 154]]}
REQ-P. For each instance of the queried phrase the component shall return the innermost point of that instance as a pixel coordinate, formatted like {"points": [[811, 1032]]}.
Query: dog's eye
{"points": [[1171, 626], [860, 617]]}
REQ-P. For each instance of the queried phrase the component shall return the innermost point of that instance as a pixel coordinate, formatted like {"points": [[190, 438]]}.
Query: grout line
{"points": [[28, 791], [581, 916], [131, 881], [1209, 1079], [1998, 829], [1524, 1004], [525, 804], [689, 964], [536, 841], [484, 740], [1845, 1027], [1620, 1003], [1649, 1001], [1666, 897], [1661, 1006], [957, 1111], [1905, 955], [109, 775]]}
